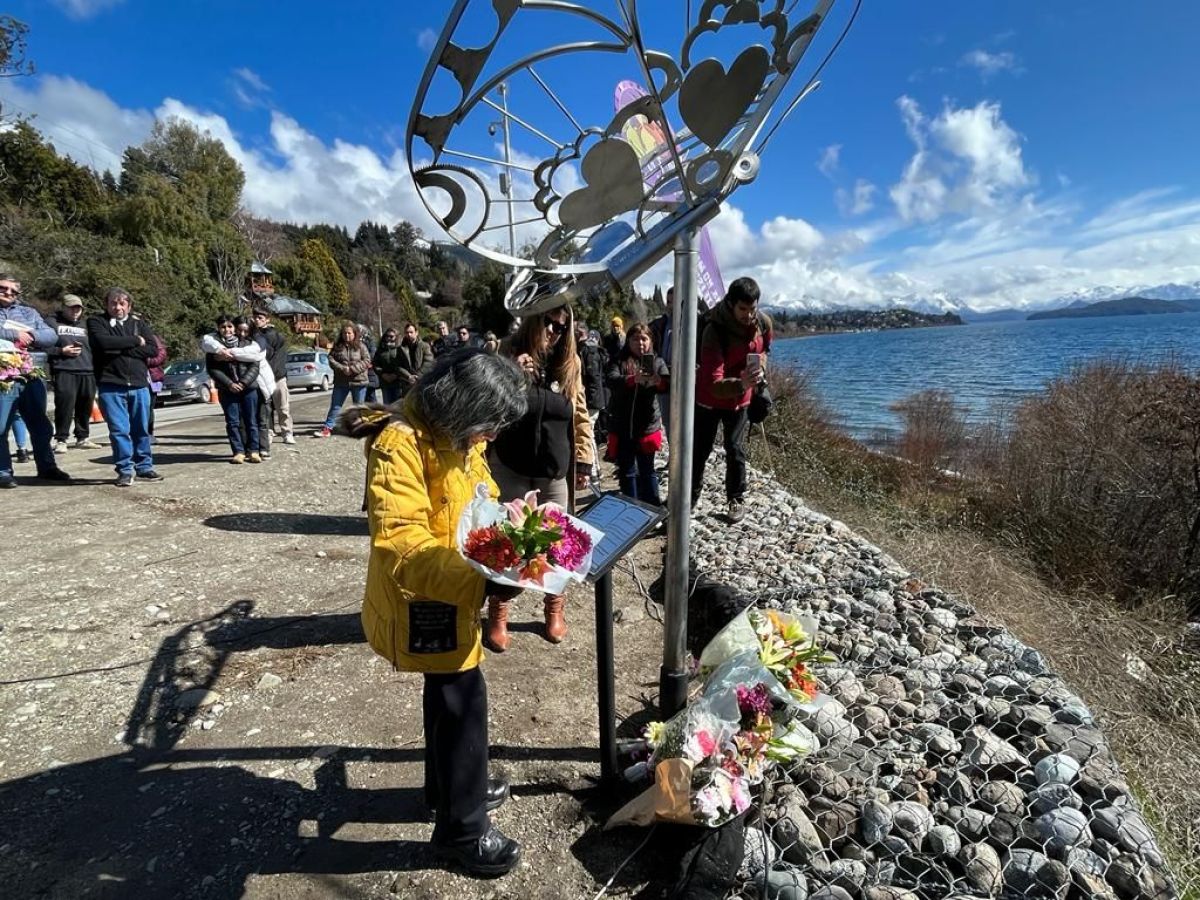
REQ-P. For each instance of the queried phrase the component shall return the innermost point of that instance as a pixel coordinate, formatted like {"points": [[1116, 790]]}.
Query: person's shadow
{"points": [[159, 821]]}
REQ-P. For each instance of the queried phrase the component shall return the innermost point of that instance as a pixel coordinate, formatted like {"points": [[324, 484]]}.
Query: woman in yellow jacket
{"points": [[550, 449], [422, 604]]}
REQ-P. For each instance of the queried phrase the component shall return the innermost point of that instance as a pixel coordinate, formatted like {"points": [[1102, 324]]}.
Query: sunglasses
{"points": [[555, 326]]}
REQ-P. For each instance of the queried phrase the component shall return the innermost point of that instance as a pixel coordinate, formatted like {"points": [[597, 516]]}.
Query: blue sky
{"points": [[993, 152]]}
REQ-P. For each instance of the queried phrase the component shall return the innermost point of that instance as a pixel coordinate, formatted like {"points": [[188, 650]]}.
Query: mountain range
{"points": [[940, 302]]}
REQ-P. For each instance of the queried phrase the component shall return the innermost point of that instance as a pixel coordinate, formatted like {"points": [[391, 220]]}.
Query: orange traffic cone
{"points": [[96, 416], [212, 394]]}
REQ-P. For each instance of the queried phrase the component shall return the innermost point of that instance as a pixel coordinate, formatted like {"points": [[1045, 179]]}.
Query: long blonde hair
{"points": [[560, 363]]}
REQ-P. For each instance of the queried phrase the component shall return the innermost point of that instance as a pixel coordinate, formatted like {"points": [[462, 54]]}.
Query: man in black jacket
{"points": [[74, 377], [275, 344], [121, 343]]}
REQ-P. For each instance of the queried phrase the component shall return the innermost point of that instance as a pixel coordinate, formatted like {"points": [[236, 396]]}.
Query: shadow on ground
{"points": [[155, 820], [289, 523]]}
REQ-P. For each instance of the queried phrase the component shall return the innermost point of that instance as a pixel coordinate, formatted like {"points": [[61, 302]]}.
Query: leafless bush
{"points": [[935, 429], [1099, 479]]}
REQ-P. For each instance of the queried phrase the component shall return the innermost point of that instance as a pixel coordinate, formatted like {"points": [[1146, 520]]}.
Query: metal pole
{"points": [[605, 682], [512, 232], [673, 677]]}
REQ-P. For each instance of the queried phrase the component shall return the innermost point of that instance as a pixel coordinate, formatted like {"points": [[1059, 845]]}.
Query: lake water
{"points": [[860, 375]]}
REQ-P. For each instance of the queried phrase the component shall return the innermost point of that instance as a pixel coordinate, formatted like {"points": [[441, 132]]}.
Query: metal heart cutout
{"points": [[712, 100], [614, 186]]}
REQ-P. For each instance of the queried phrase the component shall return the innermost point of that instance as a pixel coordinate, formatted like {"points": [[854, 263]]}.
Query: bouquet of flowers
{"points": [[784, 644], [16, 365], [707, 758], [524, 545]]}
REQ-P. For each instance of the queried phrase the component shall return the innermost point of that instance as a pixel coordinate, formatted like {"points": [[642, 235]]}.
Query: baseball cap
{"points": [[72, 300]]}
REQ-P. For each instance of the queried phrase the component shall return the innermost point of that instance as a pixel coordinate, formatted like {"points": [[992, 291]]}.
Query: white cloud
{"points": [[858, 201], [830, 160], [967, 222], [966, 161], [249, 88], [427, 39], [990, 64], [85, 9]]}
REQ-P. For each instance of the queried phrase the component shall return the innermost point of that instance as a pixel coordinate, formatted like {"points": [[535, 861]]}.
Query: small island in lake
{"points": [[789, 323], [1125, 306]]}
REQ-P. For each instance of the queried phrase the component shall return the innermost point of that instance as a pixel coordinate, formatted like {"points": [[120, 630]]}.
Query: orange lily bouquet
{"points": [[522, 544]]}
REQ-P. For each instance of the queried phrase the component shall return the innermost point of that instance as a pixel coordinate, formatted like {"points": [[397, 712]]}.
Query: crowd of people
{"points": [[528, 413]]}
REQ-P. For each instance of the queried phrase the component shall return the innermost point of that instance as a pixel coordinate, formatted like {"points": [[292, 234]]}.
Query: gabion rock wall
{"points": [[955, 763]]}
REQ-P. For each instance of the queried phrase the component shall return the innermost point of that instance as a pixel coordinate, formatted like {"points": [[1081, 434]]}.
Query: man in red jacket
{"points": [[732, 360]]}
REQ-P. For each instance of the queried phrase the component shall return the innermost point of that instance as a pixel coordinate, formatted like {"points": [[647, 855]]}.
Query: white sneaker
{"points": [[60, 447], [737, 511], [289, 438]]}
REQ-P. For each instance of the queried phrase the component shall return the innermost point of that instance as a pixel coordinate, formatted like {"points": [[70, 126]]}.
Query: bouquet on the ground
{"points": [[522, 544], [784, 643], [706, 759], [16, 365]]}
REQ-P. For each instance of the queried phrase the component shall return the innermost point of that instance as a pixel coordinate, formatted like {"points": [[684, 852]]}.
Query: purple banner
{"points": [[649, 141]]}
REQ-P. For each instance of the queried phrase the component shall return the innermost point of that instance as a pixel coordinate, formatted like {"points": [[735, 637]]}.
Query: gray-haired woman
{"points": [[421, 609]]}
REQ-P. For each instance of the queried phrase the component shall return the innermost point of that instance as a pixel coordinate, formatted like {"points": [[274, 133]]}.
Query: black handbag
{"points": [[760, 404]]}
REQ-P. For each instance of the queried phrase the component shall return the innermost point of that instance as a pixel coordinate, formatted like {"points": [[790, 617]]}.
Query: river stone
{"points": [[1058, 768], [1061, 830], [876, 821], [956, 786], [982, 866], [830, 892], [937, 738], [795, 833], [913, 821], [886, 687], [1053, 796], [836, 822], [986, 753], [1077, 741], [1030, 873], [1092, 886], [1002, 686], [943, 841], [1080, 859], [847, 873], [1074, 713], [941, 618], [1004, 829], [758, 855], [970, 823], [1133, 878], [887, 892], [1001, 796], [1029, 718], [872, 720], [822, 779], [1127, 829], [786, 883]]}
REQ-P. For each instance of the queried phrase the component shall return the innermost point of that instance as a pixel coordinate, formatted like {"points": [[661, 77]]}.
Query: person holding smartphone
{"points": [[635, 379], [732, 361]]}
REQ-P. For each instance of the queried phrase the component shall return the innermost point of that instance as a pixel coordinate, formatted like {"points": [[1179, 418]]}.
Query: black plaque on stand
{"points": [[624, 522]]}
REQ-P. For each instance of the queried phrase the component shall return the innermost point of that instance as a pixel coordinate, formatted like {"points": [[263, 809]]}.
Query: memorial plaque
{"points": [[624, 522]]}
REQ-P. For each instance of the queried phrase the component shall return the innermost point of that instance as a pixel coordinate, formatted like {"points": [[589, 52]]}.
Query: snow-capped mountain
{"points": [[1106, 292]]}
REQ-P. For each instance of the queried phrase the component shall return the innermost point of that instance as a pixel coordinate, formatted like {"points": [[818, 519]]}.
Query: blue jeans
{"points": [[241, 409], [127, 412], [391, 393], [30, 401], [635, 472], [19, 432], [337, 400]]}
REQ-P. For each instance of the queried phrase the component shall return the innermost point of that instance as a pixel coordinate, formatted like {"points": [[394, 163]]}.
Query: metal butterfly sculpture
{"points": [[609, 198]]}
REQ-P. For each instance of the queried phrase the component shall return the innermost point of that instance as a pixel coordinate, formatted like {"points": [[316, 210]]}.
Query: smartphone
{"points": [[755, 362], [647, 363]]}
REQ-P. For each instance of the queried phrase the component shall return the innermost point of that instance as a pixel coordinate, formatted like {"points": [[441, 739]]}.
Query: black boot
{"points": [[490, 856]]}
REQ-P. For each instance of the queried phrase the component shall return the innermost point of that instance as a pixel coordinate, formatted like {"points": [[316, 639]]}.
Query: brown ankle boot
{"points": [[556, 624], [495, 636]]}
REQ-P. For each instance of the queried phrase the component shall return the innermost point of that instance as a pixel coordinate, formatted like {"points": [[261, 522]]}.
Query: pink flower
{"points": [[520, 508]]}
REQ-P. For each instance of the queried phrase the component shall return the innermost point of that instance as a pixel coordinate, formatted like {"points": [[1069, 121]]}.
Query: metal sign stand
{"points": [[624, 522]]}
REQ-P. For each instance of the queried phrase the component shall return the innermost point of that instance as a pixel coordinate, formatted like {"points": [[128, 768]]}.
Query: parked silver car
{"points": [[309, 369], [185, 381]]}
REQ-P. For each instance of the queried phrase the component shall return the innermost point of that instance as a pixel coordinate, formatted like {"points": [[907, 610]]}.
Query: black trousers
{"points": [[74, 394], [735, 424], [456, 755]]}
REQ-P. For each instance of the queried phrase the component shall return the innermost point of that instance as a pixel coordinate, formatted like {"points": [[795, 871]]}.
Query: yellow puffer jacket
{"points": [[422, 604]]}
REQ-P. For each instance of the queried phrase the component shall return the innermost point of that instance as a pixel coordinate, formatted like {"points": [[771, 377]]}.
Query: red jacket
{"points": [[724, 347]]}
